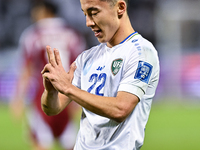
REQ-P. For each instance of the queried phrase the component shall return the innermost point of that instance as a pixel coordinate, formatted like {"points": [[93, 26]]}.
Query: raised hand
{"points": [[54, 75]]}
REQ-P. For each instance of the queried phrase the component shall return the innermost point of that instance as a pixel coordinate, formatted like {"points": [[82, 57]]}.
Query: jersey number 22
{"points": [[97, 78]]}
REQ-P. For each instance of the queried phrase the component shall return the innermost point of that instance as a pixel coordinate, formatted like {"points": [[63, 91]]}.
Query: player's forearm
{"points": [[50, 103], [111, 107]]}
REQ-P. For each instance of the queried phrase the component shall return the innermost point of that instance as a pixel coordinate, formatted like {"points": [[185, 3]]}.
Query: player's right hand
{"points": [[54, 75]]}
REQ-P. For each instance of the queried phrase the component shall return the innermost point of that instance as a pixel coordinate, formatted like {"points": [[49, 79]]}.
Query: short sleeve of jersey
{"points": [[25, 46], [77, 74], [76, 45], [138, 69]]}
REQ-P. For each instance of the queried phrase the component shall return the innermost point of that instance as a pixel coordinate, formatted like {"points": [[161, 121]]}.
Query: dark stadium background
{"points": [[173, 26]]}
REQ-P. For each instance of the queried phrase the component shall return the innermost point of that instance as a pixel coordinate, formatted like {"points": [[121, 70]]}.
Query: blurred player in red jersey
{"points": [[47, 29]]}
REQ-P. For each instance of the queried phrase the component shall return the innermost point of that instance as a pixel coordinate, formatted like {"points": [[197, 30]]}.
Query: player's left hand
{"points": [[55, 73]]}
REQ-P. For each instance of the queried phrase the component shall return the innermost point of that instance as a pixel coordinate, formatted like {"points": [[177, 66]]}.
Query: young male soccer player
{"points": [[114, 82]]}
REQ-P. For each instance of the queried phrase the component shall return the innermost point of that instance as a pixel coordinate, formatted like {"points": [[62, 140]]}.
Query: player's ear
{"points": [[121, 7]]}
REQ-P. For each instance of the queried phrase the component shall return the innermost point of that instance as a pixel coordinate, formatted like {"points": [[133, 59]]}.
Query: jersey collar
{"points": [[129, 37]]}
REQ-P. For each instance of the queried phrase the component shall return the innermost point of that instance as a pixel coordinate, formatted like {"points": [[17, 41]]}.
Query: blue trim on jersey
{"points": [[128, 37]]}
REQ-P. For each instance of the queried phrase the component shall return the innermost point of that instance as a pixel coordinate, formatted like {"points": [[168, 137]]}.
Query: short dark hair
{"points": [[50, 6], [113, 2]]}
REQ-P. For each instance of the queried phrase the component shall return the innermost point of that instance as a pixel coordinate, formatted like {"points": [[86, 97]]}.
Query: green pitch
{"points": [[171, 126], [10, 132]]}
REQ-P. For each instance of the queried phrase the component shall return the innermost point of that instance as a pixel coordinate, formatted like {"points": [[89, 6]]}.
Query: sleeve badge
{"points": [[143, 71]]}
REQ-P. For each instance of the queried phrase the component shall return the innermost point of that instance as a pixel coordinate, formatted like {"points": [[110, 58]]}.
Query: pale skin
{"points": [[112, 29]]}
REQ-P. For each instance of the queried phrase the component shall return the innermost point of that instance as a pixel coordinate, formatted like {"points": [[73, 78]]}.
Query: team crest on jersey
{"points": [[143, 72], [116, 65]]}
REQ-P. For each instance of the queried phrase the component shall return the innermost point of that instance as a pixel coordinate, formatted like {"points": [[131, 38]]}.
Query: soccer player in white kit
{"points": [[114, 82]]}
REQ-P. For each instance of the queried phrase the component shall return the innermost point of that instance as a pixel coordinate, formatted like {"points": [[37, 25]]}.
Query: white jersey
{"points": [[131, 66]]}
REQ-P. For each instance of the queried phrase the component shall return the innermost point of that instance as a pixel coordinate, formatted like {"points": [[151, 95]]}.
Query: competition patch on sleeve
{"points": [[143, 72]]}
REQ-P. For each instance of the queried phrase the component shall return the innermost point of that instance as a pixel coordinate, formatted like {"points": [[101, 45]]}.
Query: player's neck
{"points": [[122, 33]]}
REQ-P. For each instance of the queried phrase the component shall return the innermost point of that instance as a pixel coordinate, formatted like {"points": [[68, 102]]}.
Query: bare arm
{"points": [[17, 104], [53, 103], [116, 108]]}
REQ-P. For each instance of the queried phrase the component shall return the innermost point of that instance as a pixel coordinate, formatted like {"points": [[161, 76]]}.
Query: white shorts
{"points": [[44, 135]]}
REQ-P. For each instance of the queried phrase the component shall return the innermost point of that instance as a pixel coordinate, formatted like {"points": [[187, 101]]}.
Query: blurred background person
{"points": [[48, 29]]}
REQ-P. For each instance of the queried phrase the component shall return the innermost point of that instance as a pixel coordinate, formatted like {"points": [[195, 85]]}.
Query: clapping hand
{"points": [[54, 76]]}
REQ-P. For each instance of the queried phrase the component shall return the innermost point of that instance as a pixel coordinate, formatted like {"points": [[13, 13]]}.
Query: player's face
{"points": [[102, 18]]}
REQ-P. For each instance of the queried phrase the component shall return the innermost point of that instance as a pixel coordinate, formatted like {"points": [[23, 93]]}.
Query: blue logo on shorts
{"points": [[143, 72]]}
